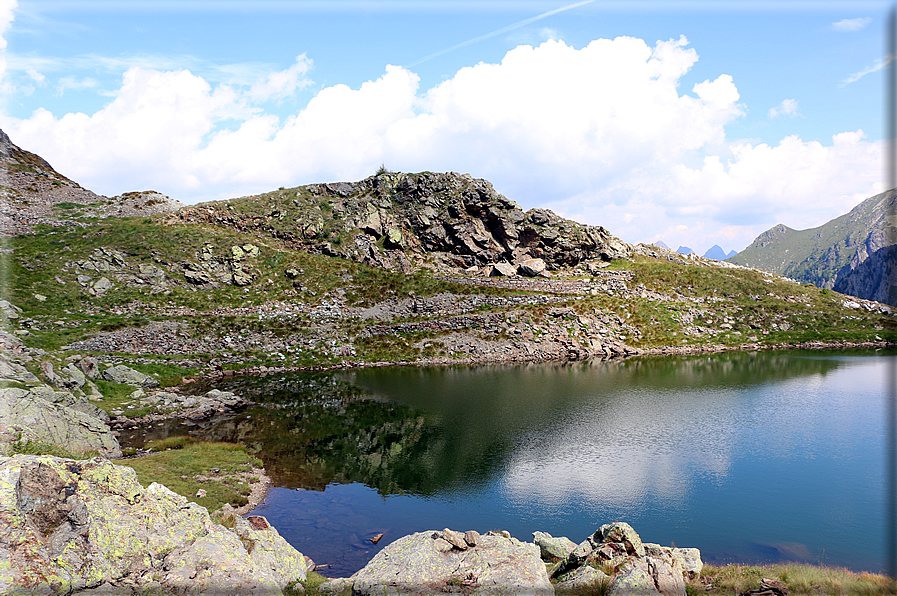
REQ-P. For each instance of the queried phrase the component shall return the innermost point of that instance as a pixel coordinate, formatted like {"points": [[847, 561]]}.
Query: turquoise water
{"points": [[751, 457]]}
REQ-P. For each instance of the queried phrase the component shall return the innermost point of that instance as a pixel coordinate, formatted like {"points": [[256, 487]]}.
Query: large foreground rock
{"points": [[45, 415], [69, 526], [425, 563]]}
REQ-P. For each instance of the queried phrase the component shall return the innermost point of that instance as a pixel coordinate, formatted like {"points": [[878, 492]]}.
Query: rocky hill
{"points": [[833, 254], [32, 192], [407, 221]]}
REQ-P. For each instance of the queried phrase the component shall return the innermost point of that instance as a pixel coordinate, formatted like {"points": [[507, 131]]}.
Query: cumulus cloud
{"points": [[788, 107], [851, 25], [601, 133], [280, 85]]}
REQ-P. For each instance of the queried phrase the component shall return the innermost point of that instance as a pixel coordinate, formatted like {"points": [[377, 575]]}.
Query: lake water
{"points": [[751, 457]]}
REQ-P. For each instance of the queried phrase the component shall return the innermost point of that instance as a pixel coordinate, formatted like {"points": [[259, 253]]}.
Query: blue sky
{"points": [[695, 123]]}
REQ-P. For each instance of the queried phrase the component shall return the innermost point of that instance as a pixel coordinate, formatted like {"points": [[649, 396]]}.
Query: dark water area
{"points": [[751, 457]]}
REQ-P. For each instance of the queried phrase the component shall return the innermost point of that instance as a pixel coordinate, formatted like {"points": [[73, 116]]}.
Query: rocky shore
{"points": [[88, 527]]}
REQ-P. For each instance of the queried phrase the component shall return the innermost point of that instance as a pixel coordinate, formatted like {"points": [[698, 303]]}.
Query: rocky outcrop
{"points": [[635, 568], [90, 527], [395, 220], [429, 563], [43, 415], [449, 561]]}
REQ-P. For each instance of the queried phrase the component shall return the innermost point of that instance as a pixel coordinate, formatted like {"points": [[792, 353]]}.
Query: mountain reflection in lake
{"points": [[747, 456]]}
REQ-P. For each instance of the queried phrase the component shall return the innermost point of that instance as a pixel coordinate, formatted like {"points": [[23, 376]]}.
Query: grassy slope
{"points": [[747, 300]]}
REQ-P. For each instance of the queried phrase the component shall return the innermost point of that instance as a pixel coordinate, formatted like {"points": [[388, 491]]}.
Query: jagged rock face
{"points": [[466, 217], [80, 525], [870, 278], [391, 219]]}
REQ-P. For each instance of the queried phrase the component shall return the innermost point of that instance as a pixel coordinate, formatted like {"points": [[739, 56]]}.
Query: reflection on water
{"points": [[748, 456]]}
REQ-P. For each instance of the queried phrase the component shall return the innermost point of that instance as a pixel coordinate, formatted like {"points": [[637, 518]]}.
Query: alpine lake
{"points": [[752, 457]]}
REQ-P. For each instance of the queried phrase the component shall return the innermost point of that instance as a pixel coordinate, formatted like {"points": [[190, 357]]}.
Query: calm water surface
{"points": [[751, 457]]}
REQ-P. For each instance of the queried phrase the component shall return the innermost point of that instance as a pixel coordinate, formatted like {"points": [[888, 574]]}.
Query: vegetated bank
{"points": [[113, 305]]}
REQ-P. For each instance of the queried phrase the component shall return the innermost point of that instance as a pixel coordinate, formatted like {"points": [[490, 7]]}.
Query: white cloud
{"points": [[788, 107], [851, 25], [879, 64], [72, 83], [282, 84], [602, 134], [36, 76]]}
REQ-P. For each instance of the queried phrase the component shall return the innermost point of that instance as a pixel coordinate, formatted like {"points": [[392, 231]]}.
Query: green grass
{"points": [[801, 580], [117, 396], [29, 447], [188, 469]]}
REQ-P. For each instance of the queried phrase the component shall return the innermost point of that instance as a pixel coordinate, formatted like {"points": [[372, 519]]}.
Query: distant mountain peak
{"points": [[716, 253]]}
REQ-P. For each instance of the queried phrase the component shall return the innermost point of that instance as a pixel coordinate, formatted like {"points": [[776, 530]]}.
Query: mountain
{"points": [[716, 253], [830, 255], [731, 254], [661, 244], [684, 250], [33, 193]]}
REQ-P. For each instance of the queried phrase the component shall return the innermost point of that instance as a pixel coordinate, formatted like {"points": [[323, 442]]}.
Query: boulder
{"points": [[689, 559], [634, 580], [621, 533], [551, 547], [13, 371], [472, 537], [129, 376], [668, 579], [454, 538], [531, 267], [502, 270], [75, 377], [581, 577], [9, 311], [89, 525], [101, 286], [241, 278], [419, 564], [90, 367], [56, 418]]}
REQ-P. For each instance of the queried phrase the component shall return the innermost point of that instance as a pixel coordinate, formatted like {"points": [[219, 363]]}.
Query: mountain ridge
{"points": [[828, 255]]}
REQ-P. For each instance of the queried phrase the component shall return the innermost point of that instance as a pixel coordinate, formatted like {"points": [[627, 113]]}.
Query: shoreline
{"points": [[636, 352]]}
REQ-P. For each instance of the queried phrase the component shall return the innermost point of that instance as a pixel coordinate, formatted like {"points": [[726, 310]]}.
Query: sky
{"points": [[693, 123]]}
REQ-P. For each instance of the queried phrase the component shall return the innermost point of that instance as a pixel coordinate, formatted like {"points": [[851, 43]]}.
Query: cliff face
{"points": [[398, 221], [829, 255]]}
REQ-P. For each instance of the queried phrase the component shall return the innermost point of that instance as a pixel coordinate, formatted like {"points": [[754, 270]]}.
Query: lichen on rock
{"points": [[69, 525]]}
